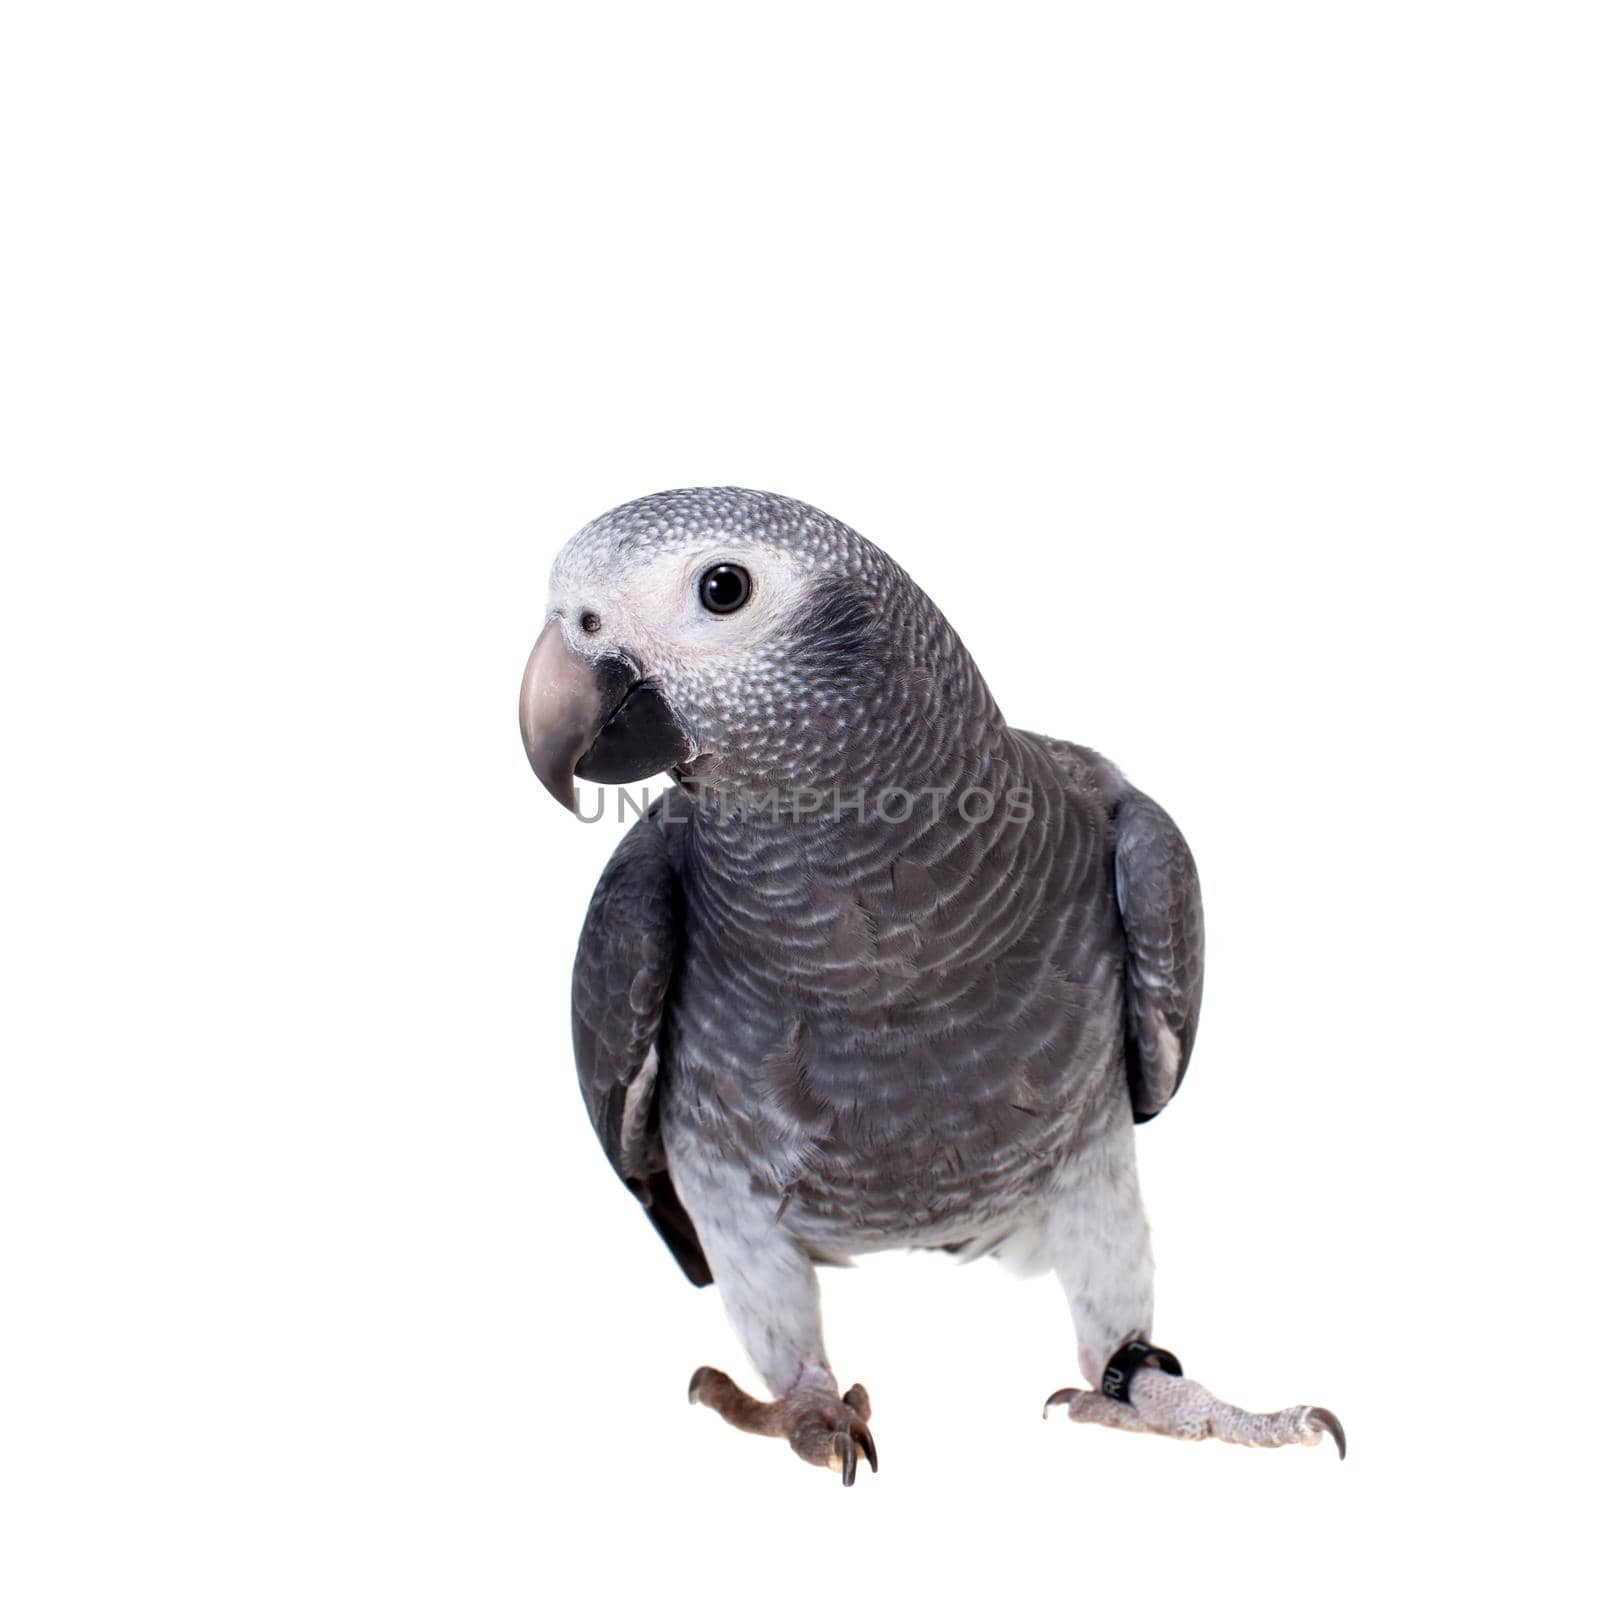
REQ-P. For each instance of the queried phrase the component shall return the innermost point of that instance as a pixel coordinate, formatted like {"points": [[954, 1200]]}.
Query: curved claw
{"points": [[820, 1430], [855, 1397], [1330, 1424], [1060, 1398], [844, 1447]]}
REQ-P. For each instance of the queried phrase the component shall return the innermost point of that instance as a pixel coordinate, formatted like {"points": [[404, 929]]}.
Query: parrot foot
{"points": [[822, 1428], [1182, 1409]]}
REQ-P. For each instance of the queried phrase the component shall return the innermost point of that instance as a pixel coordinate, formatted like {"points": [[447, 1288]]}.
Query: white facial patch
{"points": [[629, 583], [651, 600]]}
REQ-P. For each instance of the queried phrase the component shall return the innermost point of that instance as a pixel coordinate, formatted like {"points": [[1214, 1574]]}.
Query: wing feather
{"points": [[1158, 894], [627, 955]]}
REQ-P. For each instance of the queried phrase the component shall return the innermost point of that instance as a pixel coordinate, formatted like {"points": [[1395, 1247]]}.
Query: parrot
{"points": [[876, 970]]}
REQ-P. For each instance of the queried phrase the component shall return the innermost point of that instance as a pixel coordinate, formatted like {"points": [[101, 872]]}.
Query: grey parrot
{"points": [[877, 970]]}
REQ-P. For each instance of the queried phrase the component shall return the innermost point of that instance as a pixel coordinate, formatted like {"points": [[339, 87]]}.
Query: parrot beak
{"points": [[596, 719]]}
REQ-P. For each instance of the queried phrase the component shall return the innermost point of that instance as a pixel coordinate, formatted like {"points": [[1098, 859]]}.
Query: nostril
{"points": [[589, 622]]}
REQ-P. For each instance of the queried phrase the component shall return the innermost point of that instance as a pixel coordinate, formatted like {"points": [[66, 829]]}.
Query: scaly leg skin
{"points": [[821, 1427], [769, 1290], [1101, 1246]]}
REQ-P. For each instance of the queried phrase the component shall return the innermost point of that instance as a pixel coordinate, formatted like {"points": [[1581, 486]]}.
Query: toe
{"points": [[706, 1380], [844, 1457], [1062, 1397], [1324, 1421]]}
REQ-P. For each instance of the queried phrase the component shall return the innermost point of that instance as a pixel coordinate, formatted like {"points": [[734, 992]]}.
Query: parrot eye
{"points": [[724, 588]]}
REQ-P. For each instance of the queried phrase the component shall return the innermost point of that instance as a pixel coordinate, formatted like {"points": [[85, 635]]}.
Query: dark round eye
{"points": [[724, 588]]}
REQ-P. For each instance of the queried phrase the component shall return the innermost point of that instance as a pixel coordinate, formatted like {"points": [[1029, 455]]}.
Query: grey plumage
{"points": [[892, 1028], [806, 1034], [620, 980]]}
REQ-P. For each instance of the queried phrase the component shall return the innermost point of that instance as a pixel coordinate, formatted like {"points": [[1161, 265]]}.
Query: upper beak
{"points": [[597, 719]]}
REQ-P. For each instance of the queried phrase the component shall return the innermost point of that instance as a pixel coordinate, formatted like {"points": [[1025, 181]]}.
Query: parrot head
{"points": [[729, 636]]}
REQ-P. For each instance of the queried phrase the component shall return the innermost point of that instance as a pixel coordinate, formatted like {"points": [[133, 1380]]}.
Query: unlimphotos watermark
{"points": [[892, 803]]}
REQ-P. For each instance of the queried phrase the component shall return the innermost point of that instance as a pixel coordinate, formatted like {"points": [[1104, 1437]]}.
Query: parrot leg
{"points": [[769, 1290], [1182, 1409], [821, 1426], [1101, 1246]]}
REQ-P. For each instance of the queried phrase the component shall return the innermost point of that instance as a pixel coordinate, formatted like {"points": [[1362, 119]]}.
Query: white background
{"points": [[1227, 372]]}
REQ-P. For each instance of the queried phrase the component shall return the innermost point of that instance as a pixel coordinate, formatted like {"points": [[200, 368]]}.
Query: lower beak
{"points": [[596, 719]]}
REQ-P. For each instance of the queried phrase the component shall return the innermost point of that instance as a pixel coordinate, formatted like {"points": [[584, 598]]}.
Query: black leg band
{"points": [[1118, 1379]]}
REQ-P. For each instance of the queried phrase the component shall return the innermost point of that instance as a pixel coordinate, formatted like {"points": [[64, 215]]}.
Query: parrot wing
{"points": [[1158, 895], [626, 958]]}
